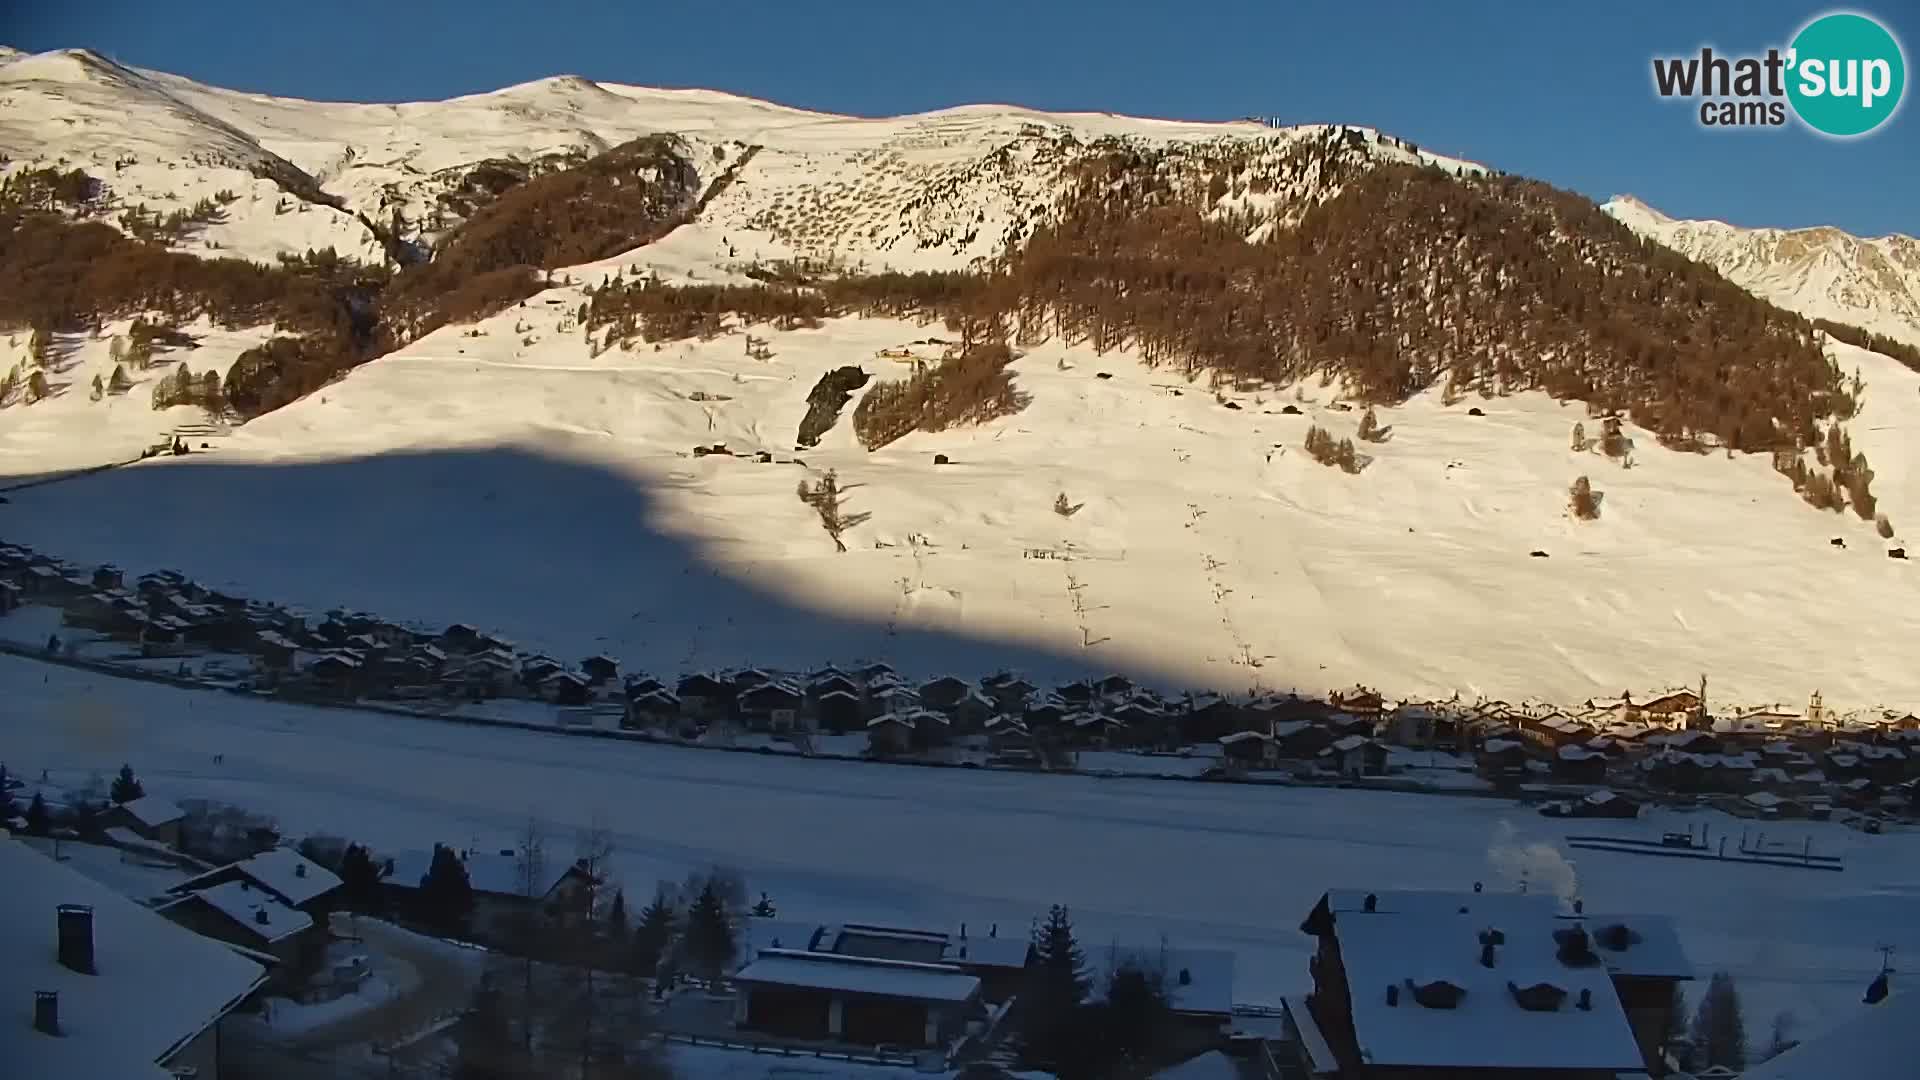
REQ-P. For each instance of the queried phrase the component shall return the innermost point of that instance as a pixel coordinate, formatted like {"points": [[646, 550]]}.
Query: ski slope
{"points": [[1206, 865]]}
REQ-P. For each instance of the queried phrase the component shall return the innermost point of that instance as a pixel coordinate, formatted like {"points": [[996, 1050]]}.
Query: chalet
{"points": [[705, 696], [1355, 755], [1502, 756], [653, 709], [480, 675], [832, 683], [600, 668], [1673, 709], [1251, 749], [839, 711], [1207, 718], [967, 713], [116, 989], [150, 817], [340, 673], [282, 873], [641, 685], [566, 688], [1575, 764], [460, 638], [1767, 804], [944, 692], [1605, 804], [1417, 984], [1113, 687], [11, 595], [807, 994], [1045, 713], [1553, 730], [1006, 733], [503, 888], [239, 914], [878, 672], [1079, 692], [1010, 692], [890, 733], [1299, 740], [535, 669], [1146, 723], [1359, 701], [273, 651], [774, 705], [891, 697]]}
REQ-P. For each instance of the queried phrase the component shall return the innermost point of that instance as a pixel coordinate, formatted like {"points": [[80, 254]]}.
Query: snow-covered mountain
{"points": [[1822, 273], [513, 474]]}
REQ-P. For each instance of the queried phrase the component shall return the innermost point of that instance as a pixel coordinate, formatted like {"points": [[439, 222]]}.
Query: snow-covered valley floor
{"points": [[1205, 865]]}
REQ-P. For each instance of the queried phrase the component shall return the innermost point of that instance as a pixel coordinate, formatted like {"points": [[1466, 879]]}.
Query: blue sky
{"points": [[1553, 90]]}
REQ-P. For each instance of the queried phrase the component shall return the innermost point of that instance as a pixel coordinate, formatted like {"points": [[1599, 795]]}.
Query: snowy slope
{"points": [[514, 480], [1821, 273], [555, 497]]}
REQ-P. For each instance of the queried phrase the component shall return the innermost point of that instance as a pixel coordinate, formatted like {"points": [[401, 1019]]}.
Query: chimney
{"points": [[1186, 977], [1486, 954], [260, 916], [994, 930], [1393, 995], [1586, 1000], [46, 1011], [963, 931], [1579, 908], [1370, 904], [76, 937], [1477, 886], [300, 869]]}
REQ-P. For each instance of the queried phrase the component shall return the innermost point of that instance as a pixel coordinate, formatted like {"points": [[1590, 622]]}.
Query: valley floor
{"points": [[1203, 865]]}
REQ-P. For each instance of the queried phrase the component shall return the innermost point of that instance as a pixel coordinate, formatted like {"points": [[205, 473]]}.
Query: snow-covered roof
{"points": [[286, 873], [152, 811], [1420, 939], [158, 984], [1245, 736], [860, 975], [249, 906], [1000, 952], [487, 872], [1195, 980], [1501, 746], [1875, 1042], [1652, 946]]}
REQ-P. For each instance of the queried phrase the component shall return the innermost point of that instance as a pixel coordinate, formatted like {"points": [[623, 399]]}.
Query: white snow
{"points": [[834, 842], [284, 872], [1874, 1042], [158, 984], [1822, 273], [1210, 551], [1195, 556], [254, 909], [858, 974]]}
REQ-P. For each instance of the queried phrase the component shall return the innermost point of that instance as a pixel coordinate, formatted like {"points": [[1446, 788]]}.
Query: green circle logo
{"points": [[1847, 76]]}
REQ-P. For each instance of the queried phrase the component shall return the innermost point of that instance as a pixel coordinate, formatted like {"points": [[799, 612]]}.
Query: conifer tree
{"points": [[118, 383], [446, 895], [1579, 442], [617, 917], [126, 787], [1057, 983], [37, 388], [99, 389], [39, 821], [710, 937], [7, 809], [359, 878], [653, 936], [1719, 1031]]}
